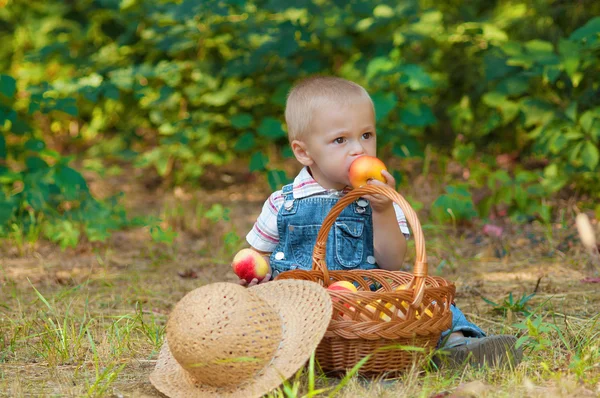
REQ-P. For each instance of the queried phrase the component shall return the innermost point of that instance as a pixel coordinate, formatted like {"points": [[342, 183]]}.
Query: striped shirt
{"points": [[264, 235]]}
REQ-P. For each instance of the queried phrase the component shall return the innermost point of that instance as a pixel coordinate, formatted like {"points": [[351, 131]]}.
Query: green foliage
{"points": [[175, 87], [455, 205], [512, 305], [538, 333]]}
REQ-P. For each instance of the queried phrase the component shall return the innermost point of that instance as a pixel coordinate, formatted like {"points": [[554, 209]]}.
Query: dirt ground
{"points": [[130, 272]]}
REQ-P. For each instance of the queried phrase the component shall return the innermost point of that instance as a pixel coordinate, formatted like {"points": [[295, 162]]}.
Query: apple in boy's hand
{"points": [[249, 264], [365, 168]]}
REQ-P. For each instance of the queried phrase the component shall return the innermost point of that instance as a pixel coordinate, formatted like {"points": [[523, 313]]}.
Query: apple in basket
{"points": [[406, 305], [249, 264], [342, 286], [382, 314], [365, 168]]}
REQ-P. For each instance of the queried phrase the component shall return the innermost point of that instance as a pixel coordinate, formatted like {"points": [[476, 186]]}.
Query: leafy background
{"points": [[507, 90]]}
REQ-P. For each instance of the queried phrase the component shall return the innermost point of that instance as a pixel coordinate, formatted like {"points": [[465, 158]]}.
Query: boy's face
{"points": [[337, 136]]}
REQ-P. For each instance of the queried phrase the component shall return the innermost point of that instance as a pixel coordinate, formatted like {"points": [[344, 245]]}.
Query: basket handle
{"points": [[420, 267]]}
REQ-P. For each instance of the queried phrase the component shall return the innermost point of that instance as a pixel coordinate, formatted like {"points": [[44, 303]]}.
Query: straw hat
{"points": [[229, 341]]}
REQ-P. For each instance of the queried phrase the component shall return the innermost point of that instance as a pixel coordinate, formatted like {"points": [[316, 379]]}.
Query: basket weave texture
{"points": [[407, 310]]}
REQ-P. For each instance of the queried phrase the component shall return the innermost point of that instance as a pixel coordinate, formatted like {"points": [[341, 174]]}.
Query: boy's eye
{"points": [[366, 136], [339, 140]]}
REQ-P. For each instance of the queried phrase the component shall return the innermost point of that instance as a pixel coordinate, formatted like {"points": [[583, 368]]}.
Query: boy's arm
{"points": [[263, 236], [389, 242]]}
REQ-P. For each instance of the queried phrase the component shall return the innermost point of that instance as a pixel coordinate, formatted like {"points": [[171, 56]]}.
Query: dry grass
{"points": [[89, 322]]}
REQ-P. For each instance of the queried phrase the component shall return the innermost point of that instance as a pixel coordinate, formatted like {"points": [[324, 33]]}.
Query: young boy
{"points": [[331, 122]]}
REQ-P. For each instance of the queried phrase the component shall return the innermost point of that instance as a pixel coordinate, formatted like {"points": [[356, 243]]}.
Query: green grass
{"points": [[90, 322]]}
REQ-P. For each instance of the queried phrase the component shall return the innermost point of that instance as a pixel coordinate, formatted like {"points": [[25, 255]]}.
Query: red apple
{"points": [[365, 168], [343, 285], [249, 264]]}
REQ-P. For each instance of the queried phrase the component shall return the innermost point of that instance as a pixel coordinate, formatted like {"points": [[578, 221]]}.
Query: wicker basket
{"points": [[406, 311]]}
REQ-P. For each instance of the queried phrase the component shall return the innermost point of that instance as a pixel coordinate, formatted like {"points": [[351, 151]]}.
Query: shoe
{"points": [[490, 351]]}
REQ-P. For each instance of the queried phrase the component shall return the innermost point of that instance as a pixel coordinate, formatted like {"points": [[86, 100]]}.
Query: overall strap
{"points": [[288, 191]]}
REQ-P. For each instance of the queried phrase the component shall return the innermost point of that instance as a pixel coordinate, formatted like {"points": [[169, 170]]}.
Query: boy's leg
{"points": [[465, 342], [461, 324]]}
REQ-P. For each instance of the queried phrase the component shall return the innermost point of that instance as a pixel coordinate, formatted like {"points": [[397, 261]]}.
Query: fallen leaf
{"points": [[188, 274], [472, 389], [492, 230], [590, 279]]}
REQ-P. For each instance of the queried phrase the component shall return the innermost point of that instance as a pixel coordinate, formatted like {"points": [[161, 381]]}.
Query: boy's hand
{"points": [[381, 203], [255, 281]]}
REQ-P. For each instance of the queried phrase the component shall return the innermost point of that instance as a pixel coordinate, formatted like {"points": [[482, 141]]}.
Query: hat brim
{"points": [[305, 309]]}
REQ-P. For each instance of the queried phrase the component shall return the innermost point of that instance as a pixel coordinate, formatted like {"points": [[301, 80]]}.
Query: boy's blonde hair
{"points": [[312, 92]]}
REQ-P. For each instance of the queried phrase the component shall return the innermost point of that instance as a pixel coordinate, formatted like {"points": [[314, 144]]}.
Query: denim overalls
{"points": [[349, 244], [350, 239]]}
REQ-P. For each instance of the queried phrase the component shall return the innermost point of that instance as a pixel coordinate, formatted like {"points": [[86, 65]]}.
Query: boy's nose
{"points": [[358, 149]]}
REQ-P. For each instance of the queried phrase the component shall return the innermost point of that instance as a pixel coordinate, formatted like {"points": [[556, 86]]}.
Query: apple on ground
{"points": [[365, 168], [248, 264]]}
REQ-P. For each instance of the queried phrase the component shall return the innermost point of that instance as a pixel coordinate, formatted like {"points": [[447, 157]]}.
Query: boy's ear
{"points": [[301, 152]]}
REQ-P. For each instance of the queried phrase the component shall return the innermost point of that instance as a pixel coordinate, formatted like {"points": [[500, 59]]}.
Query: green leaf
{"points": [[590, 122], [159, 235], [279, 97], [571, 111], [2, 147], [542, 52], [417, 115], [7, 210], [162, 165], [20, 127], [34, 163], [7, 114], [384, 104], [8, 86], [241, 120], [570, 53], [463, 152], [276, 179], [378, 65], [67, 105], [551, 73], [590, 155], [520, 197], [37, 195], [271, 128], [71, 182], [415, 77], [499, 101], [537, 112], [494, 99], [514, 85], [222, 96], [245, 142], [287, 152], [453, 207], [258, 162], [588, 32], [35, 145]]}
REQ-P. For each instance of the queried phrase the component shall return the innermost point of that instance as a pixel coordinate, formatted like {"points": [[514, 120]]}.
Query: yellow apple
{"points": [[365, 168], [406, 305]]}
